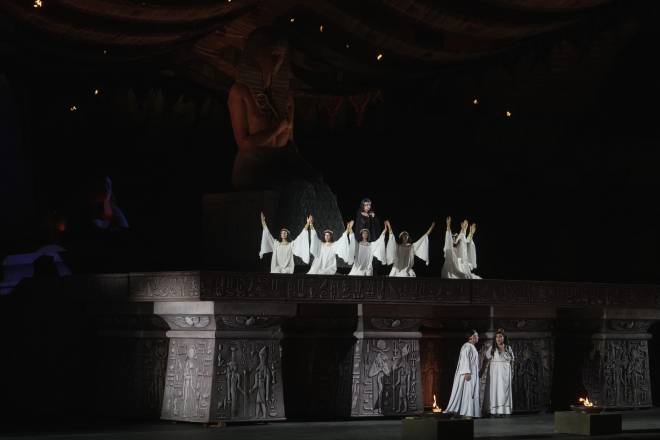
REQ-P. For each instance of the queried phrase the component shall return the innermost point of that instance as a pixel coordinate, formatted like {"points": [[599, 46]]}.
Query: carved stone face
{"points": [[191, 352]]}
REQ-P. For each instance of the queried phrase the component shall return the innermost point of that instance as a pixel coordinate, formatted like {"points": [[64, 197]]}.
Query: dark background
{"points": [[565, 189]]}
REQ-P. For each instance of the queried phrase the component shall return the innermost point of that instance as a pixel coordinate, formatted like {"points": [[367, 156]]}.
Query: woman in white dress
{"points": [[464, 400], [363, 252], [402, 255], [283, 250], [498, 398], [460, 252], [325, 253]]}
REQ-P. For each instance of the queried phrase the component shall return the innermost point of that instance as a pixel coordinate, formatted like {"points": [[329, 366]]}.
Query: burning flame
{"points": [[435, 408], [585, 401]]}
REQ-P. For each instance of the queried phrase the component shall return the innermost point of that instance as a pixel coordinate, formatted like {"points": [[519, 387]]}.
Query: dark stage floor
{"points": [[642, 424]]}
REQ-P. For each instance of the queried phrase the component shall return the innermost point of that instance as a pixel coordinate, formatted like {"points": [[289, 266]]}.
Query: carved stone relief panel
{"points": [[189, 379], [616, 373], [386, 377], [248, 381]]}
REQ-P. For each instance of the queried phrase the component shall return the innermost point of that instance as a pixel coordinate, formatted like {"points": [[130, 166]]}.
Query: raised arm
{"points": [[473, 229], [267, 240], [349, 227], [388, 227], [430, 229]]}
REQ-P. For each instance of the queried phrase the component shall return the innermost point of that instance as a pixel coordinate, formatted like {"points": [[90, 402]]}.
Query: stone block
{"points": [[433, 427], [573, 422]]}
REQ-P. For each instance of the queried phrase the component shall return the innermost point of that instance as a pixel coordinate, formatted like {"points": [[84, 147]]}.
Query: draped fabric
{"points": [[335, 43]]}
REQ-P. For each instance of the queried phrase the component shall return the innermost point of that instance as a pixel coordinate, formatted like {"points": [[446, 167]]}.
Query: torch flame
{"points": [[435, 408], [585, 401]]}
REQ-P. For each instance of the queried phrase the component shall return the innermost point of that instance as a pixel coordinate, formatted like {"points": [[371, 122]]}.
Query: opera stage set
{"points": [[141, 141]]}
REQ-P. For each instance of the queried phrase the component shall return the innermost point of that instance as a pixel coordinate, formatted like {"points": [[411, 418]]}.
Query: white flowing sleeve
{"points": [[472, 253], [449, 242], [301, 246], [351, 249], [421, 248], [341, 247], [379, 249], [390, 252], [463, 366], [267, 242], [315, 243]]}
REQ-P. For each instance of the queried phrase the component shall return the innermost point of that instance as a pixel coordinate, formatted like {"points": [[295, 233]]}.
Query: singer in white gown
{"points": [[283, 250], [363, 252], [460, 253], [464, 398], [498, 396], [325, 253], [402, 255]]}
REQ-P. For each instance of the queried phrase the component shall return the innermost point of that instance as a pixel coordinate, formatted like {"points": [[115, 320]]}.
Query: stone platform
{"points": [[207, 346]]}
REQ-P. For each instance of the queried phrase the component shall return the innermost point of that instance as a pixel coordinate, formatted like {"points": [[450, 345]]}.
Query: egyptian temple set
{"points": [[208, 345]]}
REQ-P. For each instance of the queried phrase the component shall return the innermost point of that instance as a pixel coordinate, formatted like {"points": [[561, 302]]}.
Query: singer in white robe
{"points": [[464, 398], [498, 398], [362, 253], [402, 255], [460, 253], [283, 250], [325, 253]]}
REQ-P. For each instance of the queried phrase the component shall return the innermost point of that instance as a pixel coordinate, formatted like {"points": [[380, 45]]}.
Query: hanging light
{"points": [[379, 56], [321, 28], [37, 4], [508, 114], [348, 46], [475, 101], [292, 19], [97, 91], [73, 108]]}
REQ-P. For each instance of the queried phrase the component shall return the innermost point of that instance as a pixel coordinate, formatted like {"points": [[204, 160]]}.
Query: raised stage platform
{"points": [[210, 346]]}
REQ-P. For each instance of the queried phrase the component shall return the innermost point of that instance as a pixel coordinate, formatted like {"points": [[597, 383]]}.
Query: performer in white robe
{"points": [[460, 253], [498, 396], [283, 250], [363, 252], [402, 255], [464, 398], [325, 253]]}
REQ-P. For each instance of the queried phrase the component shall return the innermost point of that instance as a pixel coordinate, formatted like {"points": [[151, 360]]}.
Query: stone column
{"points": [[248, 361], [190, 361], [608, 351], [386, 363]]}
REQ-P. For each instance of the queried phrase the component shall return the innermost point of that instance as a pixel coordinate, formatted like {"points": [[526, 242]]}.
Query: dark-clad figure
{"points": [[366, 219]]}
